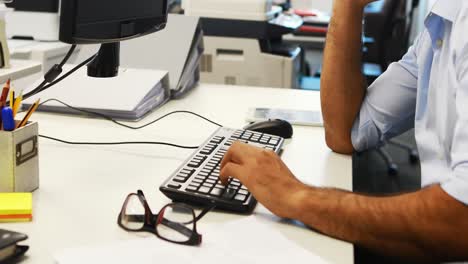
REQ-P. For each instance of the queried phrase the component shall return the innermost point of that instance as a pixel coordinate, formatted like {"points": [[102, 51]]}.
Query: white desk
{"points": [[83, 187]]}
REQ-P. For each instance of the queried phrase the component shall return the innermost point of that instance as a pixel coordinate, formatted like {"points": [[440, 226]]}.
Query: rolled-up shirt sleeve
{"points": [[457, 184], [390, 104]]}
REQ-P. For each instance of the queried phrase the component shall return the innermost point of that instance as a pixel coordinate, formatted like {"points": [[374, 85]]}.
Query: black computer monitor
{"points": [[108, 22]]}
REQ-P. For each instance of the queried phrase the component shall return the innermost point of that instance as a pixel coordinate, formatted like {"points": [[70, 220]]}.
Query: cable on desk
{"points": [[97, 114], [118, 143], [50, 78], [123, 125]]}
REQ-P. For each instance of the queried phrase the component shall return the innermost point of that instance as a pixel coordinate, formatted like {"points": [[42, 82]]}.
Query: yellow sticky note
{"points": [[15, 207]]}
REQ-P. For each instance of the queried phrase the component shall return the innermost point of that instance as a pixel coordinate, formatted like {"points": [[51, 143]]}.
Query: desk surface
{"points": [[83, 187]]}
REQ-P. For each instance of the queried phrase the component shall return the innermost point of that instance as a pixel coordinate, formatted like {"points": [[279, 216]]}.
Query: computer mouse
{"points": [[275, 127]]}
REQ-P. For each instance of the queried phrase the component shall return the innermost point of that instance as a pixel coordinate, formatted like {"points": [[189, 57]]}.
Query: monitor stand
{"points": [[106, 63]]}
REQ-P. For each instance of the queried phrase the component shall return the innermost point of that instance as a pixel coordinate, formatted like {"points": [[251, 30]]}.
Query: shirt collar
{"points": [[447, 9]]}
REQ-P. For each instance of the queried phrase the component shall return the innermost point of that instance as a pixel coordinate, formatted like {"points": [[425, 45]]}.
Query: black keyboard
{"points": [[197, 180]]}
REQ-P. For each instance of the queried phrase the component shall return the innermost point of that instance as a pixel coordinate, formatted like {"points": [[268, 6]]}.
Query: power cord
{"points": [[125, 126], [50, 78], [117, 143], [97, 114]]}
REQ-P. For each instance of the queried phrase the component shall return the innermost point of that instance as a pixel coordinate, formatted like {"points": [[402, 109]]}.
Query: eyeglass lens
{"points": [[176, 223], [133, 216]]}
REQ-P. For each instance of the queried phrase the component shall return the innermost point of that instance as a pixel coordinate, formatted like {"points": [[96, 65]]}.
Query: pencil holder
{"points": [[19, 159]]}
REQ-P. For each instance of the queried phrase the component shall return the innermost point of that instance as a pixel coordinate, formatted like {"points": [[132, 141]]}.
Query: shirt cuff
{"points": [[457, 187]]}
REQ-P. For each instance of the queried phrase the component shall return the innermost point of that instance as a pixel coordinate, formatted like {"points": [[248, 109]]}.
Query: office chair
{"points": [[387, 31]]}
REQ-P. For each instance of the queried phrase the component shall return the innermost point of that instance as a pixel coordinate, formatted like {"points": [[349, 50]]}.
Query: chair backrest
{"points": [[389, 24]]}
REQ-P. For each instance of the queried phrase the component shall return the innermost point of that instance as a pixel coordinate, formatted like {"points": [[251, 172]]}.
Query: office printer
{"points": [[243, 43]]}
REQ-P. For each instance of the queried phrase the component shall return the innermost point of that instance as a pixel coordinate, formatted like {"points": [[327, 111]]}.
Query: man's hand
{"points": [[265, 175]]}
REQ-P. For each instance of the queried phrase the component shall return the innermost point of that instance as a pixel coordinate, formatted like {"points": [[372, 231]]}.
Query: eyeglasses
{"points": [[175, 222]]}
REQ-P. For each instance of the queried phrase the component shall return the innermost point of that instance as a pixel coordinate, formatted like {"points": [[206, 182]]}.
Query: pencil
{"points": [[4, 96], [17, 103], [31, 110], [12, 98]]}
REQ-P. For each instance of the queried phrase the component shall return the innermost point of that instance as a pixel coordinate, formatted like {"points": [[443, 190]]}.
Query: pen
{"points": [[17, 103], [8, 120], [31, 110]]}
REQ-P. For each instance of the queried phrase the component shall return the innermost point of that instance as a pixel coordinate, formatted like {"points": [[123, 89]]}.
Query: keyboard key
{"points": [[204, 190], [240, 197], [207, 151], [245, 137], [180, 179], [197, 181], [174, 185], [218, 140], [200, 178], [204, 174], [217, 191], [200, 156], [183, 174], [209, 185], [236, 184], [244, 192], [191, 189], [229, 193], [274, 142], [211, 181], [212, 177], [194, 184]]}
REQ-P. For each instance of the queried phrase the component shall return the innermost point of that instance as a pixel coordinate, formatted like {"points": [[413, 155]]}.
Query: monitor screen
{"points": [[107, 21]]}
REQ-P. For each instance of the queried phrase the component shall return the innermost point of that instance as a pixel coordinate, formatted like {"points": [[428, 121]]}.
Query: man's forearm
{"points": [[342, 83], [427, 225]]}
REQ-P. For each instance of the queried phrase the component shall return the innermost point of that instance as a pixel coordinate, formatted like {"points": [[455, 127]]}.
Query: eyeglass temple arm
{"points": [[178, 227], [204, 212]]}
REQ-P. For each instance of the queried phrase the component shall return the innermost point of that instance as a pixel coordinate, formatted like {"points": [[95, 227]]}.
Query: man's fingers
{"points": [[234, 154], [232, 170]]}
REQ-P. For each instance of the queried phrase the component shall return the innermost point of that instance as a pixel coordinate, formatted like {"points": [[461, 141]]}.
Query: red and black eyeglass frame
{"points": [[151, 221]]}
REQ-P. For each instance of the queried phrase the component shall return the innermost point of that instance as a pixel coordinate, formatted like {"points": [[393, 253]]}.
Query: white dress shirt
{"points": [[427, 90]]}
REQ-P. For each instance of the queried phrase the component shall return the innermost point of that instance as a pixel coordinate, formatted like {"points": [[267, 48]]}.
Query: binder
{"points": [[129, 96]]}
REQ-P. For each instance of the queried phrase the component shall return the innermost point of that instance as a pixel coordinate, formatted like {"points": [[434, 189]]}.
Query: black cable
{"points": [[125, 125], [77, 67], [67, 57], [50, 78], [118, 143]]}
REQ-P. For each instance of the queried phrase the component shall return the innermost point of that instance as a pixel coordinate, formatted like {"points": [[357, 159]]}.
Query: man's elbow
{"points": [[339, 144]]}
